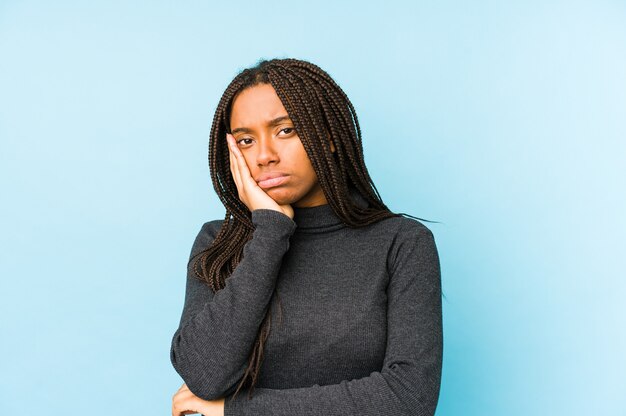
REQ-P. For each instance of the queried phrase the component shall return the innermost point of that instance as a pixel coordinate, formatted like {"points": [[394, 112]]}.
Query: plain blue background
{"points": [[503, 120]]}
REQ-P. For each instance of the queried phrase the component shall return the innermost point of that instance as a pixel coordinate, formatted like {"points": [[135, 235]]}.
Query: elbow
{"points": [[205, 384], [422, 399], [419, 394], [430, 398], [205, 380], [428, 386]]}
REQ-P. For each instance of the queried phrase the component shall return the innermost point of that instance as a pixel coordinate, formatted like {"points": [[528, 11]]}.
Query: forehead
{"points": [[256, 105]]}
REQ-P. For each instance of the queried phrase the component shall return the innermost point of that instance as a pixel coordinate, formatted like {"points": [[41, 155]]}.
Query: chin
{"points": [[282, 196]]}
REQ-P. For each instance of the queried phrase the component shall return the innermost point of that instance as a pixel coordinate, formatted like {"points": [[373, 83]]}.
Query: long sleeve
{"points": [[211, 347], [409, 381]]}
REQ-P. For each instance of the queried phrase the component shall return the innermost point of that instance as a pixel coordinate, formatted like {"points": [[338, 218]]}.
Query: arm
{"points": [[409, 381], [210, 349]]}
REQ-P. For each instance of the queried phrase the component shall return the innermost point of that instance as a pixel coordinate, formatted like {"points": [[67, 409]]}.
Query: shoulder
{"points": [[205, 236], [403, 228], [211, 228], [410, 240]]}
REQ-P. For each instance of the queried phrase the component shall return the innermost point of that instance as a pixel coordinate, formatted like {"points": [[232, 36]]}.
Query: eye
{"points": [[242, 139], [287, 130]]}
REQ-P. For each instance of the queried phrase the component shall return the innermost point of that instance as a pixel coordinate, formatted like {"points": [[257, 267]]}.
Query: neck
{"points": [[322, 218]]}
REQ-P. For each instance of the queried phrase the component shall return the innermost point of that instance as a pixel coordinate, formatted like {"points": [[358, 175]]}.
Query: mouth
{"points": [[272, 182]]}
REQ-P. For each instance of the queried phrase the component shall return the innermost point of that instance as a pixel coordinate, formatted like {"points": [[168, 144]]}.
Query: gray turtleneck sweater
{"points": [[361, 328]]}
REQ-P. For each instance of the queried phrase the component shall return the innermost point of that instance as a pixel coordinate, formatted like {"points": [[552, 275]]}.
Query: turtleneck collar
{"points": [[322, 218]]}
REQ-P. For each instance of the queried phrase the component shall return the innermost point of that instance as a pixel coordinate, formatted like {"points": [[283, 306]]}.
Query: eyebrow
{"points": [[270, 123]]}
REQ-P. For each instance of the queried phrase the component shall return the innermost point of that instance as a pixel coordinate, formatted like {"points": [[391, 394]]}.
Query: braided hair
{"points": [[319, 109]]}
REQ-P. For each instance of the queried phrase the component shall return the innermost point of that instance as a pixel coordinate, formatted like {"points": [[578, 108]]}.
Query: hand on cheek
{"points": [[249, 192]]}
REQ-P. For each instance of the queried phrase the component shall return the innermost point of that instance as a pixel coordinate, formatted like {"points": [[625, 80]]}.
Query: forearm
{"points": [[402, 389], [210, 349]]}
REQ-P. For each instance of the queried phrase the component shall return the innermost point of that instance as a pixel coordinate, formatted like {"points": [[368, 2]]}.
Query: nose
{"points": [[267, 151]]}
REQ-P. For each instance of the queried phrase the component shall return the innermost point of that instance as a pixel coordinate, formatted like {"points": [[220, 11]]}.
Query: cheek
{"points": [[301, 158], [307, 168], [248, 157], [294, 149]]}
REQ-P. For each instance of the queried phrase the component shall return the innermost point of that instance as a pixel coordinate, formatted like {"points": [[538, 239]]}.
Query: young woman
{"points": [[310, 297]]}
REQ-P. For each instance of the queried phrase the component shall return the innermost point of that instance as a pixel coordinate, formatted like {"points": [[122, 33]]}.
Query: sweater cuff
{"points": [[272, 223]]}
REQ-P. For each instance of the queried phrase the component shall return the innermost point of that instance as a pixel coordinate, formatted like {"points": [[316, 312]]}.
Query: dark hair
{"points": [[318, 108]]}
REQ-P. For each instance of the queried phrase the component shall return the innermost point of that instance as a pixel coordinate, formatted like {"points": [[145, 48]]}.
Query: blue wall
{"points": [[503, 120]]}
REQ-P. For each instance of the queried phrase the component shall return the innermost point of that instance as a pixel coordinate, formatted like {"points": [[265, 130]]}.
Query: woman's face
{"points": [[269, 143]]}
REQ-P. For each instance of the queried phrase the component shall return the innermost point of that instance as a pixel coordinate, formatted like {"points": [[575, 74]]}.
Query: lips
{"points": [[268, 180], [267, 176]]}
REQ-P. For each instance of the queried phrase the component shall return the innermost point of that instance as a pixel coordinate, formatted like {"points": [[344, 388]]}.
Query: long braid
{"points": [[335, 177], [320, 110], [312, 129], [348, 115], [350, 118]]}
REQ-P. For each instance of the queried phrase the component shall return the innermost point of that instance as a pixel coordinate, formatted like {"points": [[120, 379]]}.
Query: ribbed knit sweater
{"points": [[358, 330]]}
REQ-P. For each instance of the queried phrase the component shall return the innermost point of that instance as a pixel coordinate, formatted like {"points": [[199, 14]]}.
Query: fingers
{"points": [[182, 401], [181, 392], [249, 191], [243, 171], [234, 166], [185, 402]]}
